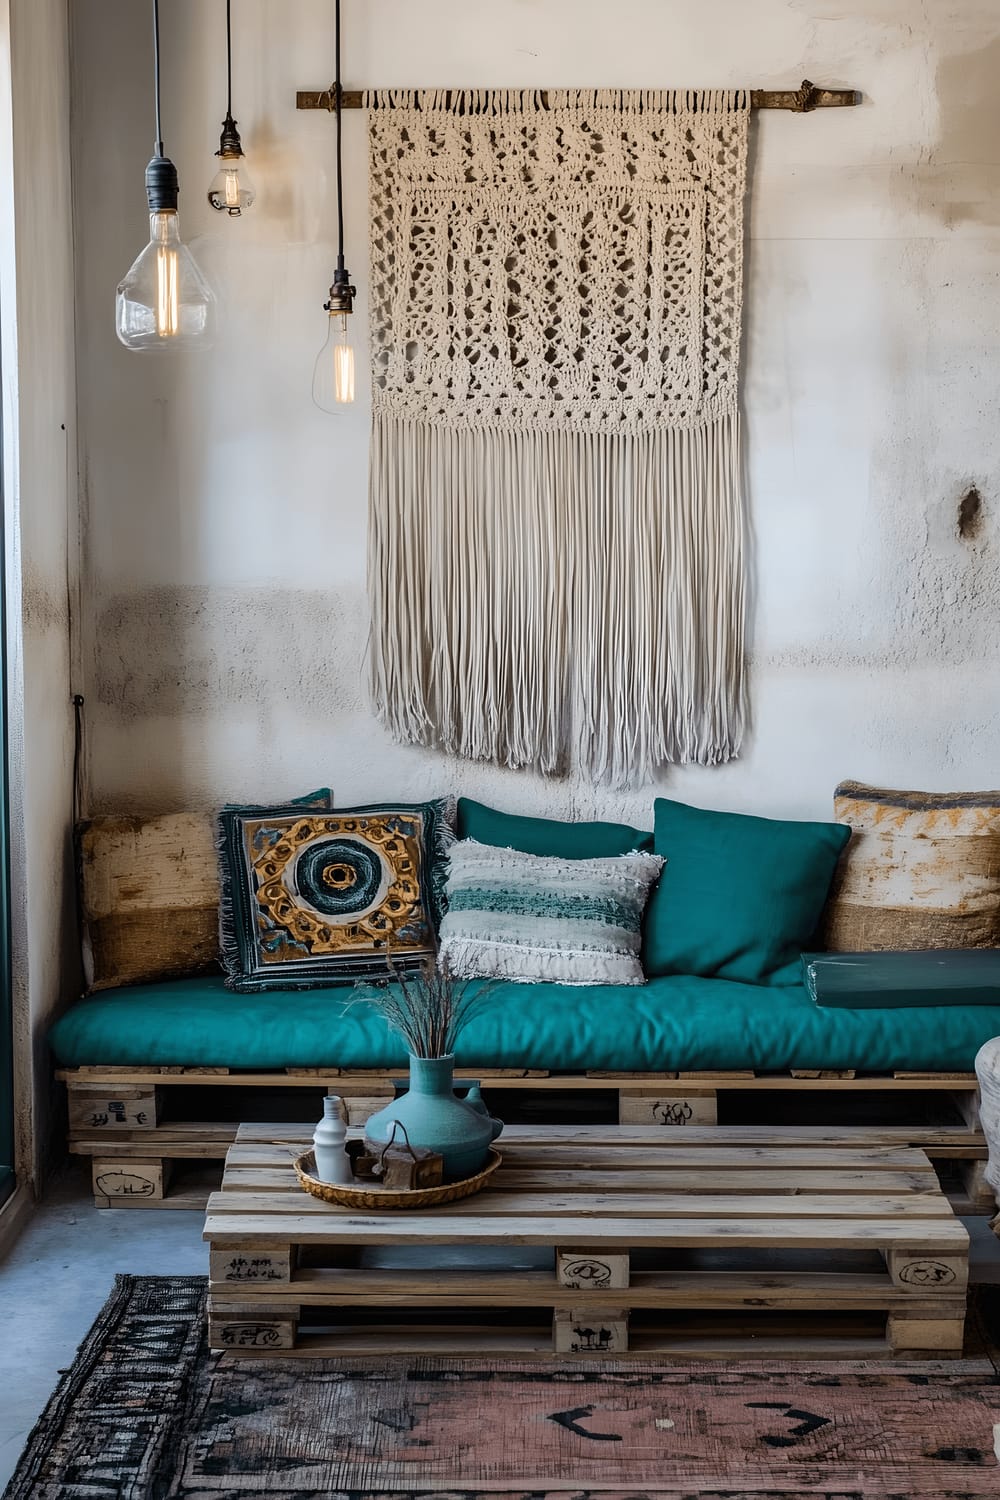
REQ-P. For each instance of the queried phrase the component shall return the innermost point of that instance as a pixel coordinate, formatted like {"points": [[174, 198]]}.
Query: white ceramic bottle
{"points": [[330, 1144]]}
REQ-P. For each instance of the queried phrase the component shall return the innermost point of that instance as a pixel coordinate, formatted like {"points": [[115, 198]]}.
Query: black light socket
{"points": [[342, 293], [162, 186], [229, 141]]}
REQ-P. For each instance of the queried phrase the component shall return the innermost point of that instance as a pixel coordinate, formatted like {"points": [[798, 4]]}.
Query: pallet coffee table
{"points": [[595, 1241]]}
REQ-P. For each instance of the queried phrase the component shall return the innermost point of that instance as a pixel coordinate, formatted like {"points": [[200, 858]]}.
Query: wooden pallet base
{"points": [[246, 1332], [134, 1118], [143, 1181], [582, 1231], [360, 1081]]}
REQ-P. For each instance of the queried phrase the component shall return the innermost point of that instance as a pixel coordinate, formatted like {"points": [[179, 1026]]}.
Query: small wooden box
{"points": [[401, 1168]]}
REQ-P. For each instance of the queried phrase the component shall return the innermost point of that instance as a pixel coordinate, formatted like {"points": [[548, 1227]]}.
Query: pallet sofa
{"points": [[159, 1076]]}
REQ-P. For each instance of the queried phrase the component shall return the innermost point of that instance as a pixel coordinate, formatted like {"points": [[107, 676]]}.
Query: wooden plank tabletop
{"points": [[559, 1185], [263, 1222], [616, 1166]]}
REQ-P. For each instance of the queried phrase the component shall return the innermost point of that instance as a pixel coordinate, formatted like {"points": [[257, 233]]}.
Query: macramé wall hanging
{"points": [[556, 535]]}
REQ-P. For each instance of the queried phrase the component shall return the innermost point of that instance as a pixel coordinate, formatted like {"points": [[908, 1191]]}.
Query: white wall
{"points": [[39, 472], [225, 529]]}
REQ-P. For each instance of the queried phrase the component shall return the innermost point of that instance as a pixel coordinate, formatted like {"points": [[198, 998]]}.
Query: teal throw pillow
{"points": [[740, 897], [548, 836]]}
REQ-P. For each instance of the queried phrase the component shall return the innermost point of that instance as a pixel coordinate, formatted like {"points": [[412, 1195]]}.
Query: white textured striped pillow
{"points": [[531, 918]]}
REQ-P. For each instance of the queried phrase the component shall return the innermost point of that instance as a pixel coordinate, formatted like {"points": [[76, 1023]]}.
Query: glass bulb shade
{"points": [[164, 302], [333, 376], [231, 190]]}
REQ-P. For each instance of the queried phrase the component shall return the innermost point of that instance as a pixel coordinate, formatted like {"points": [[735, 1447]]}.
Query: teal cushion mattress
{"points": [[673, 1022]]}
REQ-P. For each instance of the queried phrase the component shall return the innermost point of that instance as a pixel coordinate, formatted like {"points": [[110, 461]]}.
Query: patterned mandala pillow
{"points": [[533, 917], [322, 897]]}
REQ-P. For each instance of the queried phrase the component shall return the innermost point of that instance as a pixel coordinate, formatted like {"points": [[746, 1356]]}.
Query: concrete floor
{"points": [[59, 1272], [55, 1280]]}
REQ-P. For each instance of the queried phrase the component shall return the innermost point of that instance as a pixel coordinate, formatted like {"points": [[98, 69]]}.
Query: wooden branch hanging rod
{"points": [[801, 100]]}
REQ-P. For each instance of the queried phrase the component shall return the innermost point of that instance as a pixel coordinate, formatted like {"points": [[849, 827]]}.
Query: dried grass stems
{"points": [[428, 1007]]}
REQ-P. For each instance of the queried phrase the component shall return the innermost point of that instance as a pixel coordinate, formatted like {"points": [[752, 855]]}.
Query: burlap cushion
{"points": [[896, 890], [935, 814], [149, 896], [922, 870]]}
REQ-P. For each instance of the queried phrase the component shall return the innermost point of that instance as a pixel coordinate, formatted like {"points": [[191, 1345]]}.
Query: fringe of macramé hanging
{"points": [[522, 101], [553, 598]]}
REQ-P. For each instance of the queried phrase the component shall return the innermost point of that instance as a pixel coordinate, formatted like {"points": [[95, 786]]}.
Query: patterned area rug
{"points": [[147, 1411]]}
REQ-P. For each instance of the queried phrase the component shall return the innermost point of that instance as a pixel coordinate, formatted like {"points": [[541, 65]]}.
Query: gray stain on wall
{"points": [[961, 180], [43, 604], [176, 652]]}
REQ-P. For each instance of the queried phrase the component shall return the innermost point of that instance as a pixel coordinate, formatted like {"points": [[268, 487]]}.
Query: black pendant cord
{"points": [[340, 162], [78, 730], [229, 60], [342, 293], [230, 145], [79, 803], [161, 174], [158, 151]]}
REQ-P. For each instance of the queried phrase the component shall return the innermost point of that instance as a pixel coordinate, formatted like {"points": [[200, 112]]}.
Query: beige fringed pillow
{"points": [[536, 919], [150, 898], [922, 870]]}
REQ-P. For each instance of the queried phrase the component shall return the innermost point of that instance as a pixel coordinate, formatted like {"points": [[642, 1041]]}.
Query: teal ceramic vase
{"points": [[460, 1129]]}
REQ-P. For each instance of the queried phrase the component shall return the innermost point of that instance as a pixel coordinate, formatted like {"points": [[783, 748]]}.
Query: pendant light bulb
{"points": [[334, 374], [230, 191], [163, 302], [334, 382]]}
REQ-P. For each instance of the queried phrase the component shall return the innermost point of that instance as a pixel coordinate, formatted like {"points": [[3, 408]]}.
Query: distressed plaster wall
{"points": [[39, 484], [225, 518]]}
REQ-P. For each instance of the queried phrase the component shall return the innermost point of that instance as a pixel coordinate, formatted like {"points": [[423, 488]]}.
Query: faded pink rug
{"points": [[147, 1411]]}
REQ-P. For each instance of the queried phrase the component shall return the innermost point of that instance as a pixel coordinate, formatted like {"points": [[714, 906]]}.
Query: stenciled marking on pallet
{"points": [[590, 1340], [587, 1270], [672, 1111], [116, 1114], [586, 1273], [927, 1273], [259, 1268], [124, 1185], [250, 1335], [590, 1331]]}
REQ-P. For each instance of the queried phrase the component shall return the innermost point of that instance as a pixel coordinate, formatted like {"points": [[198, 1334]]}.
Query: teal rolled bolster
{"points": [[923, 978], [675, 1022]]}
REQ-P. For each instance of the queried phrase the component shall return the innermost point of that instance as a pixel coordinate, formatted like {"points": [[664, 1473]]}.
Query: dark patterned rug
{"points": [[148, 1413]]}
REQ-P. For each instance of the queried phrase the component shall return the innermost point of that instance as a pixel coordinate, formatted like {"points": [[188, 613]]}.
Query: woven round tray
{"points": [[368, 1195]]}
